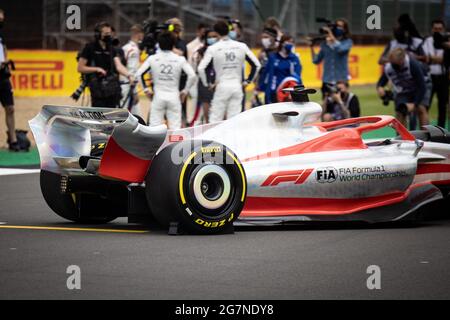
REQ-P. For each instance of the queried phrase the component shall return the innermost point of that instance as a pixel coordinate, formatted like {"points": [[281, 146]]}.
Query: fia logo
{"points": [[326, 175]]}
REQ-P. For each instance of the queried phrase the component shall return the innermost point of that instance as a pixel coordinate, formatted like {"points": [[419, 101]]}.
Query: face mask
{"points": [[107, 39], [232, 34], [266, 42], [211, 41], [396, 67], [288, 47], [338, 32]]}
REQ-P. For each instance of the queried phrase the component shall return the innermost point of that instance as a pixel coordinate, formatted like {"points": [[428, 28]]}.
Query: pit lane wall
{"points": [[53, 73]]}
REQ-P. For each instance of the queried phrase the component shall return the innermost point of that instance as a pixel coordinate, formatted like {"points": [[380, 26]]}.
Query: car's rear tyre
{"points": [[203, 188], [95, 211]]}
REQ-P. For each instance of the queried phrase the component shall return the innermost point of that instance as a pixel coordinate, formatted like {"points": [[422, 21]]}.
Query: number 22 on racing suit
{"points": [[166, 67], [228, 58]]}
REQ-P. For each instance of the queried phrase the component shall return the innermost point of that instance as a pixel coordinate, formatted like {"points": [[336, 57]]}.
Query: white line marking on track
{"points": [[12, 171], [2, 222]]}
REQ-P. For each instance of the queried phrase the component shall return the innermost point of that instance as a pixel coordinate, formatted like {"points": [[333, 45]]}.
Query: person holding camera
{"points": [[166, 67], [100, 61], [339, 103], [434, 52], [405, 36], [228, 58], [6, 91], [410, 91], [334, 52]]}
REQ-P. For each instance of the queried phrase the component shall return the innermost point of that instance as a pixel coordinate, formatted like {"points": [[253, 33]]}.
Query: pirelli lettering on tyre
{"points": [[211, 149], [207, 224], [214, 224]]}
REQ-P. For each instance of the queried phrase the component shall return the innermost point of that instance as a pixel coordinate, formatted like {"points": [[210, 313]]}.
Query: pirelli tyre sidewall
{"points": [[205, 191]]}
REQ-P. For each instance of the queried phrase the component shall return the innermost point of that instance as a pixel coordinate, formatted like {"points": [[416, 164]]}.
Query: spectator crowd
{"points": [[210, 71]]}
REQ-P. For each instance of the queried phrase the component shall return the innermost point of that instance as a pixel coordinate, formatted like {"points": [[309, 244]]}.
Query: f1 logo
{"points": [[295, 176]]}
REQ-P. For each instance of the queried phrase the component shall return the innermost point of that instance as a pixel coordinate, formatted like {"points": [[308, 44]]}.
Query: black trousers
{"points": [[441, 88], [111, 102]]}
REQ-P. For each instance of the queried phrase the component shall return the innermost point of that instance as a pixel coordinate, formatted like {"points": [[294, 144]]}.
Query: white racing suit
{"points": [[132, 56], [166, 68], [228, 58]]}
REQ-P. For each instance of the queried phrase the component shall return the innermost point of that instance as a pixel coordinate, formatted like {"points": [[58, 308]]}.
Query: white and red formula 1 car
{"points": [[268, 165]]}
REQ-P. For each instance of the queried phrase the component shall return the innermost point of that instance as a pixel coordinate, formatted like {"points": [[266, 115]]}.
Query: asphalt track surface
{"points": [[326, 262]]}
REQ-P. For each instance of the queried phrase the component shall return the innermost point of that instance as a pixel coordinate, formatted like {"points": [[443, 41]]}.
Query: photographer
{"points": [[334, 107], [408, 79], [334, 52], [100, 61], [434, 52], [405, 36], [166, 67], [6, 92]]}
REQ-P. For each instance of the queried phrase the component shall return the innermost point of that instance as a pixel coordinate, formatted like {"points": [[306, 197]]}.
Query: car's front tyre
{"points": [[201, 185]]}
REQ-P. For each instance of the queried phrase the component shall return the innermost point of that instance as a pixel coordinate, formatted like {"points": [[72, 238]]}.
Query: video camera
{"points": [[439, 39], [330, 89], [151, 31], [323, 33]]}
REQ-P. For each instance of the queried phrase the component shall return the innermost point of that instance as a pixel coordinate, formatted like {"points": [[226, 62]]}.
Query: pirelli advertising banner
{"points": [[44, 73], [54, 73]]}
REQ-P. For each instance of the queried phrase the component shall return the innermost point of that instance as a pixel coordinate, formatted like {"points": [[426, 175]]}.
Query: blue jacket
{"points": [[279, 68], [335, 60]]}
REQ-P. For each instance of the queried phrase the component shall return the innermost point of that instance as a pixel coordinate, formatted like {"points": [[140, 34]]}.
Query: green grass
{"points": [[19, 158]]}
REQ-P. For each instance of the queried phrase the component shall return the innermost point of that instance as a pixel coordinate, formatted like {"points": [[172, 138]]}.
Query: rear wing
{"points": [[64, 134]]}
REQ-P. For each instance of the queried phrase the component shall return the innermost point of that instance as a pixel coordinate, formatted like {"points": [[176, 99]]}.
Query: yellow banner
{"points": [[54, 73], [44, 73], [363, 65]]}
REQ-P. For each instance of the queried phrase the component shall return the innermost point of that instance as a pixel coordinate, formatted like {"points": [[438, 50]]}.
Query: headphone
{"points": [[98, 29]]}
